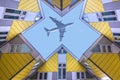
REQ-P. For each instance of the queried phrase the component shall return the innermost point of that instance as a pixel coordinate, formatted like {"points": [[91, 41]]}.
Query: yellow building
{"points": [[16, 16], [19, 60]]}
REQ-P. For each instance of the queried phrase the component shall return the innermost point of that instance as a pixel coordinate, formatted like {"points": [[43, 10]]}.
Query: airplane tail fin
{"points": [[47, 30]]}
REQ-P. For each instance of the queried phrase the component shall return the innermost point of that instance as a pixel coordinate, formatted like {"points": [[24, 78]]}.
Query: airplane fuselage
{"points": [[60, 26]]}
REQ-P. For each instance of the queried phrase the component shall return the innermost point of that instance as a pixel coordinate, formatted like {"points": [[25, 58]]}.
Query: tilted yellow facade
{"points": [[51, 65], [65, 3], [109, 63], [73, 65], [12, 63], [23, 73], [29, 5], [17, 27], [94, 6], [104, 28]]}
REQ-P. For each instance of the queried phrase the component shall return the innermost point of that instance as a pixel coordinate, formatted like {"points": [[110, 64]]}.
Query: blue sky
{"points": [[77, 38]]}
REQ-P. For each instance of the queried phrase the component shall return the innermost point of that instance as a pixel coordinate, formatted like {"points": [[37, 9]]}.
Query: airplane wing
{"points": [[61, 33], [58, 23]]}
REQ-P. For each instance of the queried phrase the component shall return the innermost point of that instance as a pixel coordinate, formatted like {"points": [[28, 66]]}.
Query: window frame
{"points": [[16, 48], [102, 17], [62, 68], [42, 75], [106, 48], [80, 75]]}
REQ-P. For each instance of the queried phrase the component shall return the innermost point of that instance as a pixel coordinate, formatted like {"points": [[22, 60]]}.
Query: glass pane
{"points": [[60, 65], [104, 49], [64, 65], [3, 32], [82, 75], [45, 76], [17, 48], [12, 48], [10, 17], [96, 48], [110, 19], [40, 76], [64, 73], [24, 48], [109, 48], [59, 73], [99, 19], [78, 75], [116, 34], [108, 13], [2, 37], [12, 11]]}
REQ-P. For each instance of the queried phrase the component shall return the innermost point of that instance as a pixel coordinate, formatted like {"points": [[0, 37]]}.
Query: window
{"points": [[23, 48], [96, 48], [13, 11], [3, 33], [15, 47], [107, 16], [43, 76], [2, 37], [62, 51], [11, 17], [105, 48], [110, 19], [62, 71], [109, 48], [14, 14], [80, 75], [108, 13]]}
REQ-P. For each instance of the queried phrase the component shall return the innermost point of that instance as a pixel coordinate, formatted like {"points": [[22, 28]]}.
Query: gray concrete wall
{"points": [[9, 3], [114, 24], [5, 22], [112, 6]]}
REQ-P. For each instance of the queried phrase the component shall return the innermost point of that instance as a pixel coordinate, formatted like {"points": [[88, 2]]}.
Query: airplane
{"points": [[60, 26]]}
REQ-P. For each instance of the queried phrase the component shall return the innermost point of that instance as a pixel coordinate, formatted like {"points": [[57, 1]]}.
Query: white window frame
{"points": [[20, 16], [62, 67], [80, 74], [43, 73], [15, 48], [106, 47], [100, 16]]}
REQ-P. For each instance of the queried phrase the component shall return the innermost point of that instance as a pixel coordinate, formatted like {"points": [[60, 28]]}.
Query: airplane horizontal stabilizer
{"points": [[47, 30]]}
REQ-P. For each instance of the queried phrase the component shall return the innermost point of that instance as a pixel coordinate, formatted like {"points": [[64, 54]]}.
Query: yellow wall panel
{"points": [[104, 28], [94, 6], [110, 63], [66, 3], [56, 3], [18, 27], [29, 5], [22, 74], [51, 65], [11, 63], [73, 65]]}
